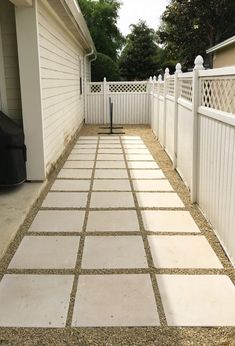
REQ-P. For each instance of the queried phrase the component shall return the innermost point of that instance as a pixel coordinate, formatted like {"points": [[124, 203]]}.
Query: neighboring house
{"points": [[45, 54], [223, 53]]}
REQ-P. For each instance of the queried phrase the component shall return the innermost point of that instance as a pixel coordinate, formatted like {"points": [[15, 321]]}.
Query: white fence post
{"points": [[176, 95], [153, 107], [164, 106], [158, 104], [195, 103], [104, 99]]}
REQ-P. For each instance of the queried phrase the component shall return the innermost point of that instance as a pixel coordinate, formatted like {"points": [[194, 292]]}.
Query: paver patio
{"points": [[100, 249]]}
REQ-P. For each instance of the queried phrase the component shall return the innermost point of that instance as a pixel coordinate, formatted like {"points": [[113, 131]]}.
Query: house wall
{"points": [[224, 57], [10, 68], [61, 66]]}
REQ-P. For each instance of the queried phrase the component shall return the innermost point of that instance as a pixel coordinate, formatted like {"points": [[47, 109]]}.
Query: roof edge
{"points": [[222, 44], [78, 16]]}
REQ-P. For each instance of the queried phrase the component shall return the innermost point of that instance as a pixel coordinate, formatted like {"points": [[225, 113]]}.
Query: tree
{"points": [[101, 17], [104, 66], [189, 27], [138, 59]]}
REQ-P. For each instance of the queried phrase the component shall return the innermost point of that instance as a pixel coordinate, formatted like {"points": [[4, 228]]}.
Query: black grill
{"points": [[12, 153]]}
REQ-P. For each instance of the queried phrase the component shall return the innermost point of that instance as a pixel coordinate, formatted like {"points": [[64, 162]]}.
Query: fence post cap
{"points": [[160, 78], [178, 68], [198, 63], [105, 80], [154, 78], [167, 72], [150, 79]]}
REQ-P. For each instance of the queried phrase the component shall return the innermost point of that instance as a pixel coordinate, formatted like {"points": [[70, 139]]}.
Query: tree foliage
{"points": [[101, 17], [189, 27], [139, 58], [104, 66]]}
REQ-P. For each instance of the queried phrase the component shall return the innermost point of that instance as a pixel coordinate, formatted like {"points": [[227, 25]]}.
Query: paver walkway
{"points": [[113, 245]]}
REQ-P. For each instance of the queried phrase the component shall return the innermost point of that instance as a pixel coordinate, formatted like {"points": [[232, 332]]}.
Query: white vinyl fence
{"points": [[130, 102], [193, 117]]}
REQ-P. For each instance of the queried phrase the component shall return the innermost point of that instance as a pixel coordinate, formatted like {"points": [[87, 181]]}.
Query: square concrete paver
{"points": [[88, 137], [130, 137], [111, 174], [115, 300], [136, 151], [139, 157], [146, 174], [132, 140], [142, 165], [34, 300], [85, 146], [114, 252], [111, 185], [169, 221], [58, 221], [109, 138], [75, 173], [109, 141], [79, 164], [46, 252], [110, 146], [110, 151], [110, 157], [182, 252], [159, 200], [110, 164], [112, 200], [198, 300], [83, 151], [112, 221], [81, 157], [65, 200], [71, 185], [134, 146], [152, 185]]}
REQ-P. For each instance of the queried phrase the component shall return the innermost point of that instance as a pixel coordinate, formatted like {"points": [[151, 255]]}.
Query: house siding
{"points": [[61, 66], [10, 60], [224, 57]]}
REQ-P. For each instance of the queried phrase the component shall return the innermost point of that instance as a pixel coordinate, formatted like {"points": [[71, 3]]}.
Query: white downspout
{"points": [[85, 78]]}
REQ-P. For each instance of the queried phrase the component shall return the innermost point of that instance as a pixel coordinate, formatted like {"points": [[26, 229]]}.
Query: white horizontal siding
{"points": [[10, 60], [60, 70]]}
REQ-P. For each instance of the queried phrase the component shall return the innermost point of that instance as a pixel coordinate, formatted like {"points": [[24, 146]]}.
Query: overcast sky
{"points": [[133, 10]]}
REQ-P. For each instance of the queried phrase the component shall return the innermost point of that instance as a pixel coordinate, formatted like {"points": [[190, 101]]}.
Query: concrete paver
{"points": [[58, 221], [105, 300]]}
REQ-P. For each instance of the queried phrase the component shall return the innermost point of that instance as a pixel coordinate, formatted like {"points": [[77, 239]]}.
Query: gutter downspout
{"points": [[85, 78]]}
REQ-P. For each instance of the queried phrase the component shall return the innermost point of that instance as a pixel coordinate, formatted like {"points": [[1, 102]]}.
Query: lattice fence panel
{"points": [[170, 86], [218, 93], [95, 88], [186, 89], [127, 88]]}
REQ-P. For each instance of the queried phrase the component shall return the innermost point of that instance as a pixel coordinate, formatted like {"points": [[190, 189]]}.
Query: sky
{"points": [[133, 10]]}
